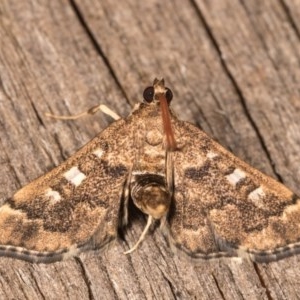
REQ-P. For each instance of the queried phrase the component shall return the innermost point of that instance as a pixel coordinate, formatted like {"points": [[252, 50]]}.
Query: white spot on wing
{"points": [[72, 251], [211, 155], [146, 172], [6, 209], [53, 195], [256, 196], [74, 176], [98, 152], [291, 210], [235, 176]]}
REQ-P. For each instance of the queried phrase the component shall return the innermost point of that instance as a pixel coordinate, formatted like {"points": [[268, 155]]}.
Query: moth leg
{"points": [[163, 222], [126, 195], [146, 229], [90, 111]]}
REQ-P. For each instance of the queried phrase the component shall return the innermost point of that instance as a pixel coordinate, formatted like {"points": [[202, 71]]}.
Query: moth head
{"points": [[156, 91]]}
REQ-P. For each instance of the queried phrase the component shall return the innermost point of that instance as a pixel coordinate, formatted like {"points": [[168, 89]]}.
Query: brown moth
{"points": [[209, 202]]}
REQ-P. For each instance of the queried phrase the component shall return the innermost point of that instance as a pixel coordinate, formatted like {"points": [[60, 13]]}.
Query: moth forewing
{"points": [[73, 207], [224, 207]]}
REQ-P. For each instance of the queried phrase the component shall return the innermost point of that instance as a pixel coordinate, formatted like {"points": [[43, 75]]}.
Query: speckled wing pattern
{"points": [[74, 207], [224, 207], [209, 202]]}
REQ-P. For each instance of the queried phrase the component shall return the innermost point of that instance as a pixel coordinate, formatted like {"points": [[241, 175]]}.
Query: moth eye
{"points": [[169, 95], [149, 94]]}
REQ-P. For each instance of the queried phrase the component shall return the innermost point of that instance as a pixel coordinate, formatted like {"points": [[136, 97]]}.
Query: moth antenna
{"points": [[170, 172], [142, 237], [90, 111], [171, 143]]}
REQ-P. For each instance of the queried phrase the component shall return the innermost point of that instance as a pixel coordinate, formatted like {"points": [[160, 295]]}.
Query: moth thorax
{"points": [[150, 194]]}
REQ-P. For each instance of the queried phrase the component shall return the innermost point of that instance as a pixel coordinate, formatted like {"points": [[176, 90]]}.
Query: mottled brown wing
{"points": [[224, 207], [73, 207]]}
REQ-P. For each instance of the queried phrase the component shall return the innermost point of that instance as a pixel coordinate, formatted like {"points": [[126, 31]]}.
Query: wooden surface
{"points": [[234, 70]]}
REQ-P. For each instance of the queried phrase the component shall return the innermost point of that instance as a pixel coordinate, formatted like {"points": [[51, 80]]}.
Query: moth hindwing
{"points": [[209, 202]]}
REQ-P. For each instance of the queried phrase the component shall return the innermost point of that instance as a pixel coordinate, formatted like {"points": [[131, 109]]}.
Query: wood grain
{"points": [[234, 70]]}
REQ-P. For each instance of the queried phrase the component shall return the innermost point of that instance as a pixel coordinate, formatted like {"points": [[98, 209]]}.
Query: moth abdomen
{"points": [[150, 194]]}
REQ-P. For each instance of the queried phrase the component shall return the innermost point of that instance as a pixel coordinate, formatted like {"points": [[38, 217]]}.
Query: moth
{"points": [[208, 202]]}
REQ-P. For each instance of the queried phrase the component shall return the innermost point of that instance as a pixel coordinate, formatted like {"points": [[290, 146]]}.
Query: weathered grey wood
{"points": [[234, 69]]}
